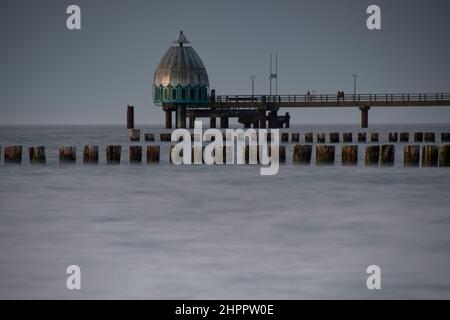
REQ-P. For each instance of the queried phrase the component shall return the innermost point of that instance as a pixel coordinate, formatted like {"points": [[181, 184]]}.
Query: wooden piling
{"points": [[302, 154], [321, 137], [393, 136], [404, 136], [284, 137], [387, 156], [67, 154], [13, 154], [135, 153], [247, 155], [295, 137], [347, 137], [149, 137], [113, 153], [281, 153], [309, 137], [130, 117], [350, 155], [362, 137], [372, 155], [165, 136], [324, 154], [90, 155], [411, 155], [37, 154], [418, 136], [153, 154], [374, 137], [444, 155], [135, 134], [429, 137], [334, 137], [445, 136], [430, 156]]}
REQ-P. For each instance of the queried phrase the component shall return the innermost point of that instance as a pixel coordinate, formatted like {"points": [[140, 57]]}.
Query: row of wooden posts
{"points": [[432, 155], [347, 137]]}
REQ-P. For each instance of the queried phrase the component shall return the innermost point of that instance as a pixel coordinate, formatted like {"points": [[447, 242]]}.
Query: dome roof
{"points": [[181, 65]]}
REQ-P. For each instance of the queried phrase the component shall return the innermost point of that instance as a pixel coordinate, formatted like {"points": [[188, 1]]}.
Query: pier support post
{"points": [[309, 137], [90, 155], [284, 137], [191, 119], [347, 137], [320, 137], [13, 154], [262, 119], [445, 136], [387, 155], [334, 137], [372, 156], [302, 154], [429, 137], [149, 137], [429, 156], [364, 116], [444, 155], [168, 119], [393, 136], [349, 155], [181, 117], [411, 155], [212, 122], [130, 117], [273, 119], [287, 120], [374, 137], [37, 154], [135, 134], [295, 137], [153, 154], [67, 154], [324, 154], [135, 153], [404, 136], [224, 122], [113, 154], [418, 136], [362, 137]]}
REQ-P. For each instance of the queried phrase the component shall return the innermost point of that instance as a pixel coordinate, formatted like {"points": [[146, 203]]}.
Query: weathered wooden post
{"points": [[334, 137], [387, 156], [411, 155], [393, 136], [149, 137], [67, 154], [135, 134], [253, 159], [153, 154], [268, 137], [302, 154], [13, 154], [429, 156], [324, 154], [165, 136], [113, 154], [284, 137], [429, 137], [372, 156], [444, 155], [135, 154], [130, 117], [374, 137], [320, 137], [445, 136], [309, 137], [295, 137], [418, 136], [281, 153], [404, 136], [90, 155], [362, 137], [350, 155], [348, 137], [37, 154]]}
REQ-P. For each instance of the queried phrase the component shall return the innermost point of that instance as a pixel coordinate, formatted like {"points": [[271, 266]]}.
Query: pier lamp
{"points": [[253, 84], [355, 76]]}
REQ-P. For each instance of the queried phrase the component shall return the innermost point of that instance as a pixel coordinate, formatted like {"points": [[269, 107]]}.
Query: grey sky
{"points": [[50, 75]]}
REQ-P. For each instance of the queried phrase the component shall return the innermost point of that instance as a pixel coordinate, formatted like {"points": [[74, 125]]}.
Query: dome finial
{"points": [[181, 39]]}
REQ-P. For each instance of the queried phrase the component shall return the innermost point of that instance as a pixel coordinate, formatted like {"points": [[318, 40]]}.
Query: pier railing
{"points": [[356, 98]]}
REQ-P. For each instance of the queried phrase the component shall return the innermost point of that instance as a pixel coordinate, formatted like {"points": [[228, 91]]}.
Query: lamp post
{"points": [[253, 84], [355, 76]]}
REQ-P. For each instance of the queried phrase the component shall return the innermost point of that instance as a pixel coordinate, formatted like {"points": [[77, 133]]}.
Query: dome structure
{"points": [[180, 77]]}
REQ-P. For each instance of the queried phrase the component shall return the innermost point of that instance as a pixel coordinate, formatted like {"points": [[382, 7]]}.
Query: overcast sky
{"points": [[50, 75]]}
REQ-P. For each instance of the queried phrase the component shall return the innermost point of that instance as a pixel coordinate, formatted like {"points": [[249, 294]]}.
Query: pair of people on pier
{"points": [[340, 95]]}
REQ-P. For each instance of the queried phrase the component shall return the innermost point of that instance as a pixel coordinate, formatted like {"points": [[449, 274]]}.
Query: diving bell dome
{"points": [[180, 77]]}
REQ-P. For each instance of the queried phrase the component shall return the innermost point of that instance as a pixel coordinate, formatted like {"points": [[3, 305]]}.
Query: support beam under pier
{"points": [[224, 122], [181, 117], [364, 116], [212, 122], [262, 119], [168, 119]]}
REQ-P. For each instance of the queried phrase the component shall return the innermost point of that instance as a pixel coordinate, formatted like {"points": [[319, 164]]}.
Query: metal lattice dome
{"points": [[180, 77]]}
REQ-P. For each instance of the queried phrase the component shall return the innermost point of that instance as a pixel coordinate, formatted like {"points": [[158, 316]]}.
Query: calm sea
{"points": [[203, 232]]}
